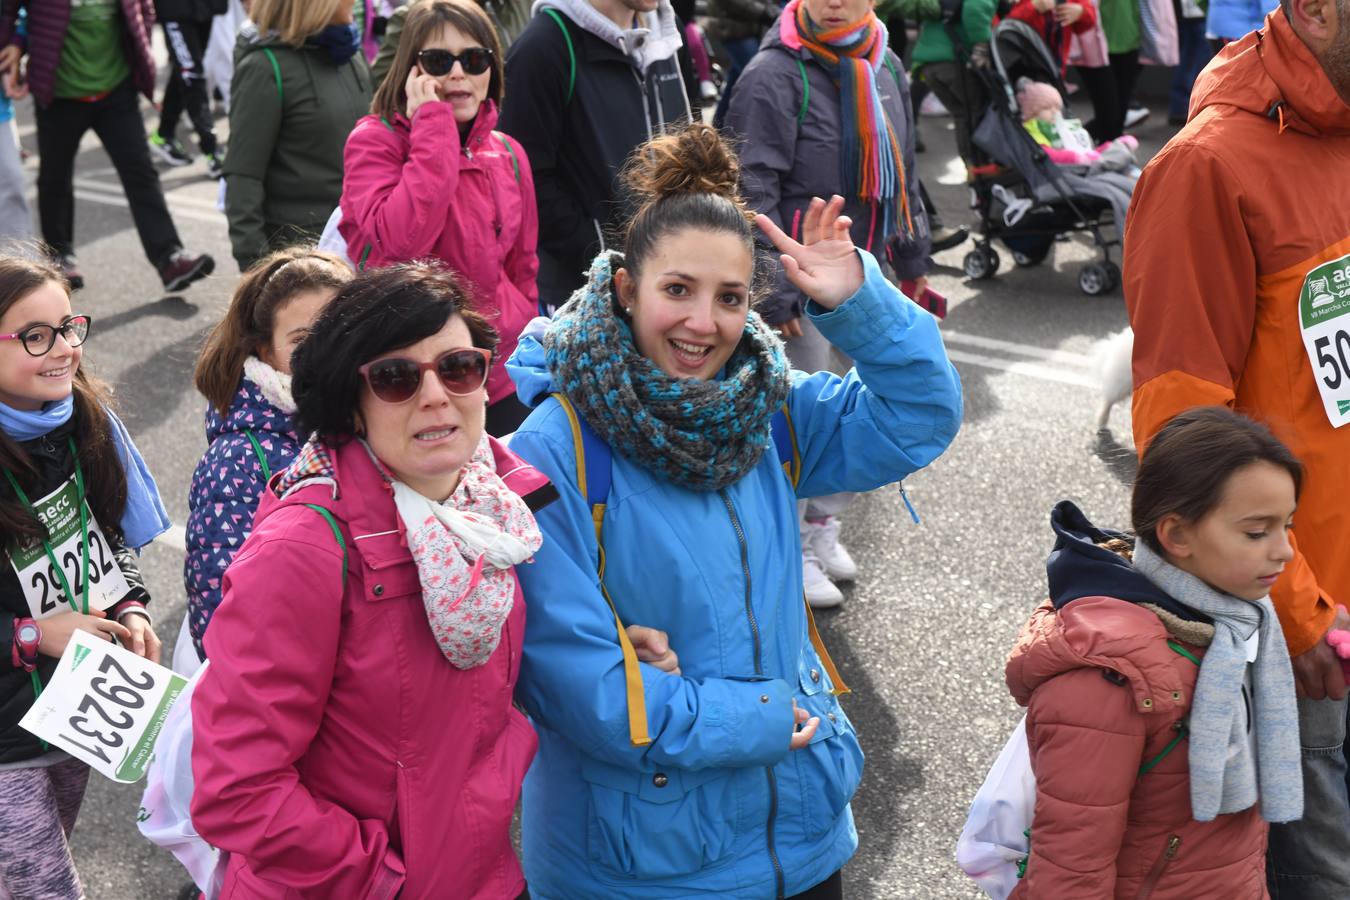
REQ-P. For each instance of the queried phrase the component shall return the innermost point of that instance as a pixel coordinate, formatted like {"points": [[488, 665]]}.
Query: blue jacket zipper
{"points": [[759, 670]]}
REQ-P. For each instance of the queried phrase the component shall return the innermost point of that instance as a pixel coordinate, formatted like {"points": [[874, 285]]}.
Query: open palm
{"points": [[825, 264]]}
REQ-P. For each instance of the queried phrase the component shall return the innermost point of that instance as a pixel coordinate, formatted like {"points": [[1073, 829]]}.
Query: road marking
{"points": [[1031, 370], [178, 209], [174, 197], [986, 343], [175, 538]]}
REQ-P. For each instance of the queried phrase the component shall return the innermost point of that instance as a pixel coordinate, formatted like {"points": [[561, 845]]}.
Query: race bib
{"points": [[105, 706], [1074, 136], [60, 512], [1324, 316]]}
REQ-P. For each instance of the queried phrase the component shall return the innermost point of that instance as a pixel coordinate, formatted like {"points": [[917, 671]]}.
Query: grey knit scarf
{"points": [[1224, 776], [702, 435]]}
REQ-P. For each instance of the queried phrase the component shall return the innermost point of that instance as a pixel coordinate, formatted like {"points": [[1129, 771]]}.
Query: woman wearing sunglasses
{"points": [[74, 495], [354, 734], [428, 177]]}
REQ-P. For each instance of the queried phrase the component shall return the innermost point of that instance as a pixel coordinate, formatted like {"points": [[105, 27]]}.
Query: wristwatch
{"points": [[27, 635]]}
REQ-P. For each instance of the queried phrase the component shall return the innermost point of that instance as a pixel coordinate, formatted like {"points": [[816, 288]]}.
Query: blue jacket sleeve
{"points": [[572, 677], [894, 412]]}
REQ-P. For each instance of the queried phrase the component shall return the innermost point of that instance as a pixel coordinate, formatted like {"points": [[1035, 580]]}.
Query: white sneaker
{"points": [[1136, 115], [823, 540], [932, 106], [820, 591], [708, 90]]}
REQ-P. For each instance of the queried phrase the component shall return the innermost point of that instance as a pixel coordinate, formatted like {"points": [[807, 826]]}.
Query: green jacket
{"points": [[291, 110], [975, 27]]}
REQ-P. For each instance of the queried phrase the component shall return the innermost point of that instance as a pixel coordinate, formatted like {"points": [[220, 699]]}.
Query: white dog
{"points": [[1114, 356]]}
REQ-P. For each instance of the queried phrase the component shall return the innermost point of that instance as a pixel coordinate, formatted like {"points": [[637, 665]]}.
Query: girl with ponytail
{"points": [[669, 421], [244, 372]]}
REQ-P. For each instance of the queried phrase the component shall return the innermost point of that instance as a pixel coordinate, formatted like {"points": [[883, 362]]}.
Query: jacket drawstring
{"points": [[1276, 113]]}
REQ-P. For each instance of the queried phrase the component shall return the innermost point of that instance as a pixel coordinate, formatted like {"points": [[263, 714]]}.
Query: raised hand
{"points": [[825, 265], [420, 89]]}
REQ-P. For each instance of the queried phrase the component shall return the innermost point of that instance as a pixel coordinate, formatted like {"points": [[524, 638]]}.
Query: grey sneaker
{"points": [[171, 152]]}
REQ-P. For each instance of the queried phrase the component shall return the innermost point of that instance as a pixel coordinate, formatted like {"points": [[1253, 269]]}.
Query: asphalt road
{"points": [[923, 635]]}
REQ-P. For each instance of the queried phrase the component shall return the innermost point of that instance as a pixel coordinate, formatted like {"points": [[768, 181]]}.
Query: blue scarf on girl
{"points": [[144, 517]]}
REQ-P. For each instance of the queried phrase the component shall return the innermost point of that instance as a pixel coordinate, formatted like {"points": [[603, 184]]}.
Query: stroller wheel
{"points": [[981, 263], [1098, 278], [1027, 260]]}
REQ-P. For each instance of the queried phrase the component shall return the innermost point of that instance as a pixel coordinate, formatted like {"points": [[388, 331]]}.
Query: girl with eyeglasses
{"points": [[428, 177], [61, 448], [354, 734], [244, 372]]}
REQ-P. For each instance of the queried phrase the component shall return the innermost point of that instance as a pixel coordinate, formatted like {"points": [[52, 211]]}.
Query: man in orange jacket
{"points": [[1237, 279]]}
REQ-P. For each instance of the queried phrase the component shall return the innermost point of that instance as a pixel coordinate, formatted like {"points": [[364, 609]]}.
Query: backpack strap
{"points": [[337, 532], [1183, 731], [593, 480], [789, 457], [806, 92], [515, 160], [276, 73], [258, 452], [571, 52]]}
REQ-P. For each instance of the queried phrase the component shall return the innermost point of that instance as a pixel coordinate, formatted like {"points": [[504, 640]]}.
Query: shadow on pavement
{"points": [[172, 307], [888, 774], [1122, 462], [150, 391]]}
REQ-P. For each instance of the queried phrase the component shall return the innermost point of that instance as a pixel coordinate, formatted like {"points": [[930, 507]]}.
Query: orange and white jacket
{"points": [[1237, 280]]}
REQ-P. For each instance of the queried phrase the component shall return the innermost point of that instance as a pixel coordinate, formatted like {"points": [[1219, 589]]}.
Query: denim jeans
{"points": [[1310, 859], [1195, 53]]}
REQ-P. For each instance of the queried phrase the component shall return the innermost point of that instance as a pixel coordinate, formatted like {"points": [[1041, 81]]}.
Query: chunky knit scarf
{"points": [[872, 165], [702, 435], [1224, 776]]}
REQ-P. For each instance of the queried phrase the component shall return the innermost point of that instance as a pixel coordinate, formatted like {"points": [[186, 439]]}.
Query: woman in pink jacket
{"points": [[353, 734], [427, 176]]}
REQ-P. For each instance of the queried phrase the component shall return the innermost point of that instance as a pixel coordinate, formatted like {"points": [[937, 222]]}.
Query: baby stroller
{"points": [[1024, 199]]}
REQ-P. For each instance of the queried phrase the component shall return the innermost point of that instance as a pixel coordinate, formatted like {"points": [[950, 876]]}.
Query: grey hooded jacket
{"points": [[789, 155]]}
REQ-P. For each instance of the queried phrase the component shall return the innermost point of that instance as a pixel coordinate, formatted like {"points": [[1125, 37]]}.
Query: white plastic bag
{"points": [[164, 816], [332, 240], [995, 838]]}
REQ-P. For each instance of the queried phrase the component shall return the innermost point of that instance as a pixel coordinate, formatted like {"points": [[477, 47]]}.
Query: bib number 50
{"points": [[1338, 362]]}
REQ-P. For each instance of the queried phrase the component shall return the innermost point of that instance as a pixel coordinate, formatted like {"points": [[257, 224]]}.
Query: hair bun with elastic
{"points": [[694, 160]]}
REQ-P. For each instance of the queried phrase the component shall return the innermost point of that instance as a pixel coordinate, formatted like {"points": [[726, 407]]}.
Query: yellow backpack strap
{"points": [[785, 441], [595, 490]]}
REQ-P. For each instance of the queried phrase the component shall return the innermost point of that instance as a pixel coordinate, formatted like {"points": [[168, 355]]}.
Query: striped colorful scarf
{"points": [[872, 164]]}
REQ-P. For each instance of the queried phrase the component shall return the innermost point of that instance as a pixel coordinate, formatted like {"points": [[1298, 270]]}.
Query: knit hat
{"points": [[1036, 97]]}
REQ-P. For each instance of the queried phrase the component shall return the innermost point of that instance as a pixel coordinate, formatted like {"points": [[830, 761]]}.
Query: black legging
{"points": [[831, 888], [1110, 89]]}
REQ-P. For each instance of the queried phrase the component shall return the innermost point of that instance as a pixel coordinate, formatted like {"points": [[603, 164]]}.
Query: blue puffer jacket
{"points": [[1232, 19], [716, 805], [225, 491]]}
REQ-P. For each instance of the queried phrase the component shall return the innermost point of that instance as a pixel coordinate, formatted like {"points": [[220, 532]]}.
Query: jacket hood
{"points": [[249, 410], [1098, 633], [657, 38], [1077, 567], [1272, 73], [527, 366]]}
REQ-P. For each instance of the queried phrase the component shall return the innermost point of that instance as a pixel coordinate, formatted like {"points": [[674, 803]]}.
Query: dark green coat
{"points": [[289, 122]]}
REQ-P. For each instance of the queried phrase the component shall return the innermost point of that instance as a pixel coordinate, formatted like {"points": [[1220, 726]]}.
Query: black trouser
{"points": [[505, 416], [1110, 89], [831, 888], [116, 119], [187, 82]]}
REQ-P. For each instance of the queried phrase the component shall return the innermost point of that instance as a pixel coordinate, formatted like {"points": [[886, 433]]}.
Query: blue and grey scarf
{"points": [[702, 435]]}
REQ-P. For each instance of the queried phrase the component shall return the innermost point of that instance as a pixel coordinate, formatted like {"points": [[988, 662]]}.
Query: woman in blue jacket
{"points": [[732, 777]]}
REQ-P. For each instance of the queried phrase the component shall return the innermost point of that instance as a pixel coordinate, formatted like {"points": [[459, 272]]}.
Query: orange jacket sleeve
{"points": [[1190, 288]]}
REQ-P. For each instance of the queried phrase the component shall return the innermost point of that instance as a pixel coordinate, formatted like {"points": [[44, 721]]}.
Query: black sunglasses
{"points": [[38, 340], [475, 60], [397, 380]]}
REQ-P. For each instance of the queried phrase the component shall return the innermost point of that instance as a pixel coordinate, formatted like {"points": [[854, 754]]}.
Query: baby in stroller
{"points": [[1108, 170]]}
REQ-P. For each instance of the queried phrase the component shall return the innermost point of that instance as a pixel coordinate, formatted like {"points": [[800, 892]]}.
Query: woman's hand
{"points": [[56, 630], [653, 646], [420, 89], [825, 266], [1068, 13], [141, 638], [803, 737], [11, 64]]}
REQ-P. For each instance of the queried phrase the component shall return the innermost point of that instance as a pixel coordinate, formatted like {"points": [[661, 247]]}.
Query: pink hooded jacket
{"points": [[337, 753], [412, 190]]}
